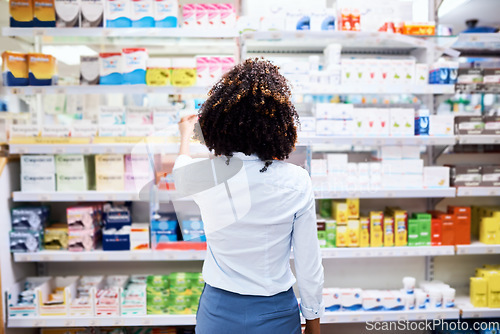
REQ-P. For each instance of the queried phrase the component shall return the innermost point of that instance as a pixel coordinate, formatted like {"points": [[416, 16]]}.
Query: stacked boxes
{"points": [[74, 172], [485, 224], [134, 296], [452, 227], [192, 229], [56, 237], [117, 226], [138, 172], [27, 228], [83, 227], [485, 287], [334, 119], [164, 229], [474, 176], [38, 173], [110, 171]]}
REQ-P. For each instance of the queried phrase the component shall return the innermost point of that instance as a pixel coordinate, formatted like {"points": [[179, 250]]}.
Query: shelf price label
{"points": [[38, 32], [147, 322], [118, 322], [94, 323], [69, 323], [16, 91], [38, 323], [354, 318]]}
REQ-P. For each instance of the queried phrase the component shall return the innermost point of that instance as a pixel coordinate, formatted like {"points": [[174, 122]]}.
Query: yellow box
{"points": [[339, 212], [109, 164], [479, 292], [376, 231], [353, 233], [341, 236], [15, 68], [364, 232], [44, 13], [489, 230], [21, 13], [183, 77], [352, 208], [388, 231], [42, 69], [110, 182], [494, 289], [400, 227]]}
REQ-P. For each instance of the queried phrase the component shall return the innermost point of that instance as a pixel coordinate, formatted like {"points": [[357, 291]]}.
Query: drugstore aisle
{"points": [[399, 131]]}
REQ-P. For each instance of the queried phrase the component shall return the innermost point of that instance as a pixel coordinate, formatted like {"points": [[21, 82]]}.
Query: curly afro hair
{"points": [[249, 110]]}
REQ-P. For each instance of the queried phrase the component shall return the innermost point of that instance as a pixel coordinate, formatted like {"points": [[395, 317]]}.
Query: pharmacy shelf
{"points": [[406, 315], [350, 40], [477, 44], [186, 320], [335, 253], [376, 89], [478, 139], [84, 196], [196, 255], [172, 148], [478, 88], [110, 256], [377, 140], [122, 32], [388, 193], [478, 191], [102, 89], [104, 321], [468, 311], [477, 248]]}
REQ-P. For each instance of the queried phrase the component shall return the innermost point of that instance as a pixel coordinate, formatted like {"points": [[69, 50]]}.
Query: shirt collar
{"points": [[243, 156]]}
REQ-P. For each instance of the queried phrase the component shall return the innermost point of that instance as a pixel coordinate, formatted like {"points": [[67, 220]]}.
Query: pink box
{"points": [[82, 241], [189, 15], [227, 63], [136, 182], [202, 71], [213, 14], [80, 218], [227, 14], [201, 15], [137, 164], [214, 68]]}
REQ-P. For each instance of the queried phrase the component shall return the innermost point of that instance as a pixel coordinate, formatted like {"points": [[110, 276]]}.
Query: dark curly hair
{"points": [[249, 110]]}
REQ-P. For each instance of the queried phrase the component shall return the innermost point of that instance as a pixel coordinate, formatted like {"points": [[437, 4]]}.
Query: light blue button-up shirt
{"points": [[252, 220]]}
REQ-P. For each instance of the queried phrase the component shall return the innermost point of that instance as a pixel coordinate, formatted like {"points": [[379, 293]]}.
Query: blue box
{"points": [[192, 229], [115, 242]]}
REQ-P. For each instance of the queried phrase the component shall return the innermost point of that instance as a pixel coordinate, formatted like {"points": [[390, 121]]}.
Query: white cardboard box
{"points": [[436, 177]]}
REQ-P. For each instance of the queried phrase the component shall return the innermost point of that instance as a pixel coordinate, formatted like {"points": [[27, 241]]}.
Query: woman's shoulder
{"points": [[290, 172]]}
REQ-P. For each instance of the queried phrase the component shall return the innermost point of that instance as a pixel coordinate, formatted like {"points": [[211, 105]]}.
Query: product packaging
{"points": [[436, 177], [44, 14], [158, 71], [118, 13], [25, 241], [92, 13], [21, 13], [165, 13], [388, 231], [15, 68], [42, 69], [183, 72], [67, 13], [141, 14], [134, 65], [56, 237], [376, 229], [321, 227], [89, 70], [110, 67]]}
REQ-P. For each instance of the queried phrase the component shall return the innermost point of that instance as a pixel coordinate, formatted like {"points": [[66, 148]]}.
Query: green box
{"points": [[413, 232], [425, 232], [320, 224], [325, 208], [331, 233]]}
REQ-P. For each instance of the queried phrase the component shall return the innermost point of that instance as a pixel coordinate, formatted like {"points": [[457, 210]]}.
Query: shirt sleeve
{"points": [[182, 160], [307, 258]]}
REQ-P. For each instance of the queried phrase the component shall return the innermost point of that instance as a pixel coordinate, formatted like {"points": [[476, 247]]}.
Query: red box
{"points": [[436, 230]]}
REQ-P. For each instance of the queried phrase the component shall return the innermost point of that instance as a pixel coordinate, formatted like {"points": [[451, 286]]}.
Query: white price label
{"points": [[38, 32], [80, 198], [110, 197], [390, 194], [276, 35], [134, 257], [86, 150], [490, 250], [147, 321], [118, 322], [16, 91], [46, 258], [379, 142], [476, 315], [150, 90], [37, 90], [354, 318], [58, 150], [331, 319], [300, 35], [399, 142], [102, 257], [60, 90], [94, 323], [402, 317], [421, 316], [69, 323], [358, 142], [76, 257], [109, 150], [38, 323], [377, 318], [106, 32], [44, 198]]}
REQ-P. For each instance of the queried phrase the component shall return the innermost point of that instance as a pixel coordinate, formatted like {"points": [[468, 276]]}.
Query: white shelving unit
{"points": [[85, 196], [479, 139], [468, 311], [122, 32], [103, 89], [333, 253], [378, 89], [477, 248], [388, 193], [377, 140], [478, 191], [180, 320], [115, 256]]}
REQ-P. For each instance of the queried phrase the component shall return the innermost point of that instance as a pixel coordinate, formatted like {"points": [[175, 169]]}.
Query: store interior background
{"points": [[339, 272]]}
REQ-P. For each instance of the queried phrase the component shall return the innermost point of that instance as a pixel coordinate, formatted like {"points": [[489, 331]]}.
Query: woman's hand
{"points": [[186, 129], [186, 126], [312, 327]]}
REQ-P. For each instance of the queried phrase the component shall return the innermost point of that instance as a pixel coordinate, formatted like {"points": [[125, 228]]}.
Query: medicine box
{"points": [[37, 164], [66, 287], [116, 239], [22, 297], [436, 177], [56, 237], [364, 232], [441, 125], [92, 13], [38, 183], [331, 233], [29, 218], [21, 13], [89, 70], [118, 13], [80, 218], [67, 13], [82, 240], [165, 13], [353, 228], [376, 229], [192, 229], [139, 236], [321, 228], [340, 212], [15, 66], [388, 231], [400, 227], [25, 241]]}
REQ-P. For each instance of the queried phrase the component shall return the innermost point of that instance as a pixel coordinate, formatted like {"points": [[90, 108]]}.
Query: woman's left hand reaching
{"points": [[186, 126]]}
